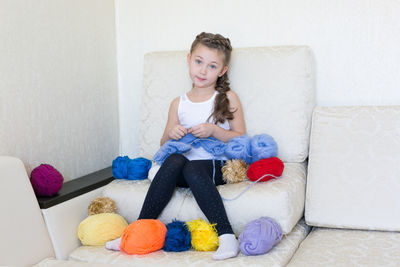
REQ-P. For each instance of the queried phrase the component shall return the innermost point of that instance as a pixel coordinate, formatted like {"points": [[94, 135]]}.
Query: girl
{"points": [[210, 108]]}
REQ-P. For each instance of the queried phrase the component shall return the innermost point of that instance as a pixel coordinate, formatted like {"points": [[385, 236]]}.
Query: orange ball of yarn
{"points": [[143, 236]]}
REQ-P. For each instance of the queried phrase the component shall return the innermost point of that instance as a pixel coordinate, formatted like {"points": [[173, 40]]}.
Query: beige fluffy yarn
{"points": [[234, 171], [102, 205]]}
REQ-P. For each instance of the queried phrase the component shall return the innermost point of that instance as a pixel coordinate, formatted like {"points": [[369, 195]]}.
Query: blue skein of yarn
{"points": [[132, 169], [263, 146], [239, 148], [119, 167], [178, 237], [138, 168]]}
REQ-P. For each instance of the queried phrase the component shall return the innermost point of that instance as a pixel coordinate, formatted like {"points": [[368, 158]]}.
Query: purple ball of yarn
{"points": [[46, 180], [260, 236]]}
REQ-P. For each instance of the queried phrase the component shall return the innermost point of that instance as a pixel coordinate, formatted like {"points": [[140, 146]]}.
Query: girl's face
{"points": [[205, 66]]}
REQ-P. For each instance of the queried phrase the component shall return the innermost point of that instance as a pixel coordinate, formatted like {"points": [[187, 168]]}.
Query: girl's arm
{"points": [[237, 124], [173, 130]]}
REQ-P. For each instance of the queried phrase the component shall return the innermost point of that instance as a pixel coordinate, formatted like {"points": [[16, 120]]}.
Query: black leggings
{"points": [[177, 170]]}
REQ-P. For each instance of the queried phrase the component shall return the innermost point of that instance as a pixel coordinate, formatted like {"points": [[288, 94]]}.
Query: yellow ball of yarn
{"points": [[204, 235], [97, 229]]}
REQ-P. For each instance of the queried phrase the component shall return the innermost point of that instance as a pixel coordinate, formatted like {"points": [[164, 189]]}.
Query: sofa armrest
{"points": [[64, 212]]}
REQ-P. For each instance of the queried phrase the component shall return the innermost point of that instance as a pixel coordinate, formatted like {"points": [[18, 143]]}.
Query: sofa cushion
{"points": [[353, 177], [275, 85], [278, 256], [51, 262], [338, 247], [281, 199]]}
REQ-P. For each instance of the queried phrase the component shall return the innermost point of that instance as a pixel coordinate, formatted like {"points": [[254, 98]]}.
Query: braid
{"points": [[221, 105], [221, 110]]}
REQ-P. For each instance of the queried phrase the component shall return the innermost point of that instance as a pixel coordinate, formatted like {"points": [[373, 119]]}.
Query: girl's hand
{"points": [[202, 130], [177, 132]]}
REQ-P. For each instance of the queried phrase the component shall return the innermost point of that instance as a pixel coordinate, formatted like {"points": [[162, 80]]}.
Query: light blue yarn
{"points": [[239, 148], [170, 148], [242, 147], [214, 146], [263, 146]]}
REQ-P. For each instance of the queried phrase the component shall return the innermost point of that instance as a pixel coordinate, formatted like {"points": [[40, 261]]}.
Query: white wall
{"points": [[58, 84], [355, 42]]}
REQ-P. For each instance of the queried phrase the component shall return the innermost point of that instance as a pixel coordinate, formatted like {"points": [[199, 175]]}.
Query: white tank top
{"points": [[193, 113]]}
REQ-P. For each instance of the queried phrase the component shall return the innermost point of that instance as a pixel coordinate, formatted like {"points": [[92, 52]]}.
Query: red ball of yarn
{"points": [[262, 167], [46, 180]]}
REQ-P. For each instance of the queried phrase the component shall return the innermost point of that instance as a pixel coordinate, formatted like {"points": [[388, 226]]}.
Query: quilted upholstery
{"points": [[343, 248], [281, 199], [275, 85]]}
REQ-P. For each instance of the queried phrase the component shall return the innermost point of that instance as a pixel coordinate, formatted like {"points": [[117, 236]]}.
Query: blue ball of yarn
{"points": [[138, 168], [120, 167], [263, 146], [178, 237], [132, 169], [239, 148]]}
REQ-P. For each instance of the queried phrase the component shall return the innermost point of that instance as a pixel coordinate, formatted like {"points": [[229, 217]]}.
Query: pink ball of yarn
{"points": [[46, 180]]}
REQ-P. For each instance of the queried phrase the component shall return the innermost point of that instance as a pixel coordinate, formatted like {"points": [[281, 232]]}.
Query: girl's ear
{"points": [[223, 71], [188, 58]]}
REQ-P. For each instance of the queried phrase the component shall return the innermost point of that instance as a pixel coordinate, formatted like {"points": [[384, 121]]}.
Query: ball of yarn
{"points": [[46, 180], [178, 237], [259, 236], [234, 171], [120, 167], [98, 229], [132, 169], [138, 168], [263, 146], [204, 235], [143, 236], [239, 148], [263, 167], [102, 205]]}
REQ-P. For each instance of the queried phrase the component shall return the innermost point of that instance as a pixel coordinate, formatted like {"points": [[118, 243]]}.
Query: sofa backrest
{"points": [[354, 172], [24, 237], [276, 86]]}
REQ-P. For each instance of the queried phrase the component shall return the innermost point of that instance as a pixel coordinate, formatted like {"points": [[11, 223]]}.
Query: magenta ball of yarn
{"points": [[259, 236], [46, 180]]}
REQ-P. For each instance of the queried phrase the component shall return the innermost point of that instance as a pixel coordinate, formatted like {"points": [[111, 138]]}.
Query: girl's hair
{"points": [[221, 110]]}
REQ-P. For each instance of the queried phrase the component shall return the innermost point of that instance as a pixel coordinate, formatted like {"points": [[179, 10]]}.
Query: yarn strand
{"points": [[248, 187]]}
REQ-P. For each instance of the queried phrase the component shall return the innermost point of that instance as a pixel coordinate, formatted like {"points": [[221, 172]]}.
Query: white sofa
{"points": [[353, 156], [277, 99], [353, 187]]}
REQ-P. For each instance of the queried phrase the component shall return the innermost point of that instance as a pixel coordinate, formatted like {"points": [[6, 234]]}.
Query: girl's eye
{"points": [[212, 66], [198, 61]]}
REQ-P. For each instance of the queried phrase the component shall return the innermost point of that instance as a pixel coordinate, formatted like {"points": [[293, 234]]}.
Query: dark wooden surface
{"points": [[77, 187]]}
